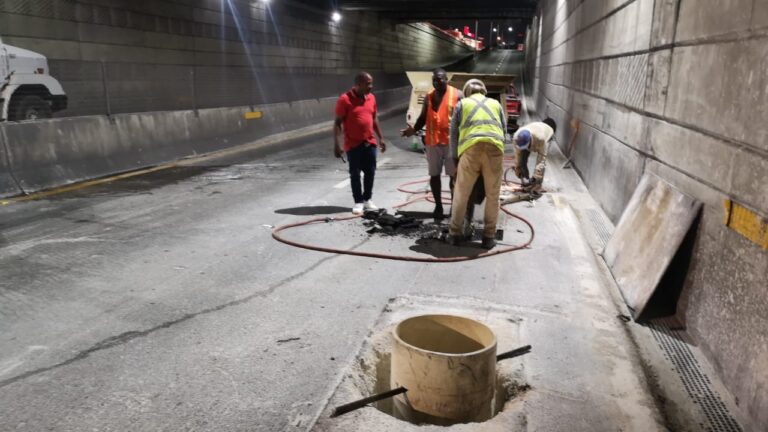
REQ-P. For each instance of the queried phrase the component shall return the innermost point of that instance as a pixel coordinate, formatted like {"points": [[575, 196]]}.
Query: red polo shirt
{"points": [[358, 114]]}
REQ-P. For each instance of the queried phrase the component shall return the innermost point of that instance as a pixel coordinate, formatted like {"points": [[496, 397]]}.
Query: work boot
{"points": [[453, 239], [488, 243], [435, 187], [438, 214]]}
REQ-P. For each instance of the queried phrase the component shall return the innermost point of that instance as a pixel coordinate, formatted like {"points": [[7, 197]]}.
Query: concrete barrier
{"points": [[47, 154]]}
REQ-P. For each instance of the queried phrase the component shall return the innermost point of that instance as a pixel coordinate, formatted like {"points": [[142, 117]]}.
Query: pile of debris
{"points": [[381, 222]]}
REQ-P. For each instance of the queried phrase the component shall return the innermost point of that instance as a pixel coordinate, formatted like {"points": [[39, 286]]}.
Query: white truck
{"points": [[27, 91]]}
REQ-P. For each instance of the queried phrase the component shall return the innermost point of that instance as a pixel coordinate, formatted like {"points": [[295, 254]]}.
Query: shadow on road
{"points": [[440, 249], [313, 210]]}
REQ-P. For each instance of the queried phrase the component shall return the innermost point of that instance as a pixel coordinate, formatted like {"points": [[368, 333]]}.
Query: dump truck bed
{"points": [[498, 86], [494, 83]]}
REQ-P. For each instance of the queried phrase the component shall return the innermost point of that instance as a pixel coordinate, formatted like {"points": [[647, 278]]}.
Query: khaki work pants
{"points": [[484, 159]]}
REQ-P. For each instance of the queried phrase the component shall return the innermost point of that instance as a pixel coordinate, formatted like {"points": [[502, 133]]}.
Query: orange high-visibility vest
{"points": [[439, 122]]}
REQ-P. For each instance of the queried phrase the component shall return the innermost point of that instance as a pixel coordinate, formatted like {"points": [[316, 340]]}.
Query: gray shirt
{"points": [[456, 122]]}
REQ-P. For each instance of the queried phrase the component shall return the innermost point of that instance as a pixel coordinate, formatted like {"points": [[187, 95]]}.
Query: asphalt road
{"points": [[161, 302], [499, 61]]}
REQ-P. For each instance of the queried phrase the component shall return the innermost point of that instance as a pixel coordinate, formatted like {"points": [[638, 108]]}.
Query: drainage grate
{"points": [[599, 225], [696, 383]]}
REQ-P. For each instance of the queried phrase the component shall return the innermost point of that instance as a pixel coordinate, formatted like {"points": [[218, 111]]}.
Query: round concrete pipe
{"points": [[448, 365]]}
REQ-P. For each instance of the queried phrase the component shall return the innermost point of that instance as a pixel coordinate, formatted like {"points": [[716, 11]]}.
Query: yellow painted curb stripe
{"points": [[82, 185], [747, 223], [251, 115], [85, 184]]}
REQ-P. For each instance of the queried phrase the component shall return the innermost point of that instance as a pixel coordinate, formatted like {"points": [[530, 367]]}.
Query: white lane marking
{"points": [[344, 183], [341, 184]]}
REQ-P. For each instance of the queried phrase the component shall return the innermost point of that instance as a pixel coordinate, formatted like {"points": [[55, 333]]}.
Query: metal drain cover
{"points": [[695, 381]]}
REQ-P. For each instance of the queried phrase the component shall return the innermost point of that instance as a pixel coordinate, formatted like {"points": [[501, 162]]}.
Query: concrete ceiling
{"points": [[427, 10]]}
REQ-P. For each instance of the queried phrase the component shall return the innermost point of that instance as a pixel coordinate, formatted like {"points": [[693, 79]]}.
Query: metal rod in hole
{"points": [[514, 353], [343, 409]]}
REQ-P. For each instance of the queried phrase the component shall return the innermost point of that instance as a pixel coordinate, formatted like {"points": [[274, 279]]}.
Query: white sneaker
{"points": [[369, 205], [358, 209]]}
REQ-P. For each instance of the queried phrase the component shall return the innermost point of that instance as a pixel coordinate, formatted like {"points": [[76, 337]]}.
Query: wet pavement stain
{"points": [[140, 184]]}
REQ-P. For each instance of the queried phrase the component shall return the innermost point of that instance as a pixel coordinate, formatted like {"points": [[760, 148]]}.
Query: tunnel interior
{"points": [[671, 88]]}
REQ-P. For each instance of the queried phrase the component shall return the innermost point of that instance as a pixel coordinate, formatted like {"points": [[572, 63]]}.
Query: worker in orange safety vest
{"points": [[436, 114]]}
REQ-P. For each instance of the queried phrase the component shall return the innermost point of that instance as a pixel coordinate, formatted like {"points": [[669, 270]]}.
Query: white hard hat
{"points": [[474, 86]]}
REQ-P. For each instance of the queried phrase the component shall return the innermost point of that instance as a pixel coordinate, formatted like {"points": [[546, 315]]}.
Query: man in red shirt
{"points": [[356, 115]]}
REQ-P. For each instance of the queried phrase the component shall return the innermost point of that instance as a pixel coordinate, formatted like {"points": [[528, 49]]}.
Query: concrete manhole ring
{"points": [[371, 372]]}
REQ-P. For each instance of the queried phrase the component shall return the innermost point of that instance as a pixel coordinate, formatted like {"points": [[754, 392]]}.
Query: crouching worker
{"points": [[477, 140], [533, 137]]}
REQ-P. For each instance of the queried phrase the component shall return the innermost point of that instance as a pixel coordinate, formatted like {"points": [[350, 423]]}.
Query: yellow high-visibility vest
{"points": [[480, 122]]}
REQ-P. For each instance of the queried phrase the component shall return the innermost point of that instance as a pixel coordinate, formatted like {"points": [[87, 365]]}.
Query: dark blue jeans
{"points": [[362, 158]]}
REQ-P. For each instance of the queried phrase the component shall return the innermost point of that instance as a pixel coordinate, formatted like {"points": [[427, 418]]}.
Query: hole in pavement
{"points": [[376, 371]]}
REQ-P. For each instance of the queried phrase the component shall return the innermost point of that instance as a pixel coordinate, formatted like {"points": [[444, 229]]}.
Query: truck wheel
{"points": [[29, 107]]}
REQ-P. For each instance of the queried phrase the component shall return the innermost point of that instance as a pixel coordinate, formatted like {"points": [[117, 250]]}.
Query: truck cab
{"points": [[27, 91]]}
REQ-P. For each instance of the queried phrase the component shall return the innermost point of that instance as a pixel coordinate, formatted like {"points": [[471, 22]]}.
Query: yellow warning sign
{"points": [[251, 115], [747, 223]]}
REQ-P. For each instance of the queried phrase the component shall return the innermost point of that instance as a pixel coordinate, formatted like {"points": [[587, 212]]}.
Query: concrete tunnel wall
{"points": [[677, 88], [192, 69], [73, 149]]}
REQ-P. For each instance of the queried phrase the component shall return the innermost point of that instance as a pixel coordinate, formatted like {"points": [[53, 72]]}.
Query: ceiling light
{"points": [[336, 17]]}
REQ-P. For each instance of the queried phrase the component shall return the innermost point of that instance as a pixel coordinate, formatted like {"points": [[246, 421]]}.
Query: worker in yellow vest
{"points": [[478, 135], [436, 114]]}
